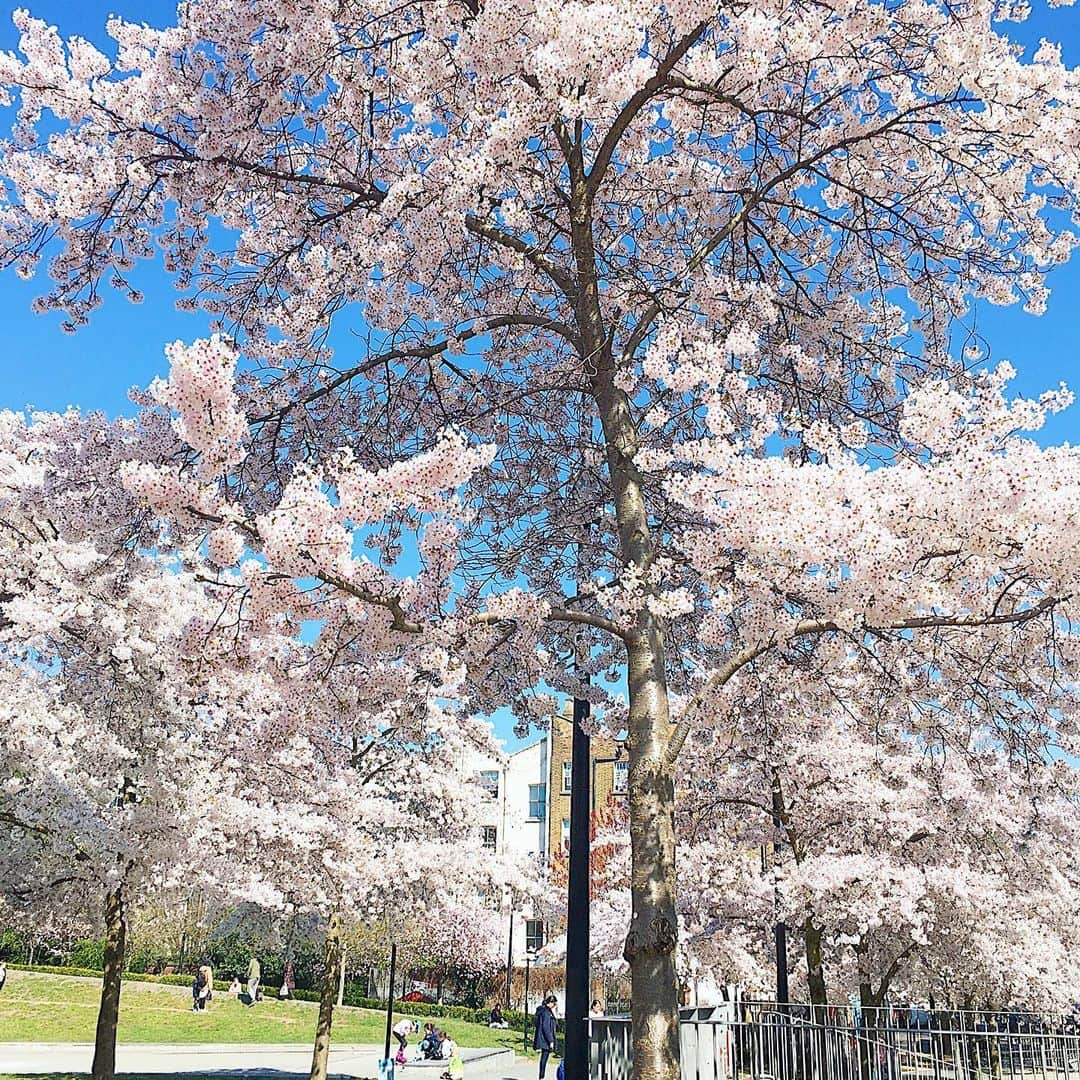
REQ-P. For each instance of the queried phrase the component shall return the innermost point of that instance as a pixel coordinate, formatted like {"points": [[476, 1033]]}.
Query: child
{"points": [[402, 1030], [456, 1069]]}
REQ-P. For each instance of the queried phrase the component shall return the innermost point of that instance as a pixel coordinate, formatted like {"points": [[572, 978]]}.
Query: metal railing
{"points": [[759, 1041]]}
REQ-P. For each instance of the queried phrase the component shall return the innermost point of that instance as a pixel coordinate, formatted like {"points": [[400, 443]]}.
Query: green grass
{"points": [[63, 1008]]}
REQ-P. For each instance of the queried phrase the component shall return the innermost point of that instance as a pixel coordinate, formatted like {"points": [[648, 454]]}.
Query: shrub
{"points": [[88, 953]]}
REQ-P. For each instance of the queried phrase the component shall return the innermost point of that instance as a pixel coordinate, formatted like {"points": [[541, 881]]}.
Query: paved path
{"points": [[281, 1060]]}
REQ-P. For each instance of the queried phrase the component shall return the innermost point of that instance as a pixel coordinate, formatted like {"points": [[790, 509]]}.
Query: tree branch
{"points": [[633, 107], [812, 627], [514, 243]]}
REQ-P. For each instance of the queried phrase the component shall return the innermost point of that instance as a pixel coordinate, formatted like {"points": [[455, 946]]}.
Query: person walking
{"points": [[544, 1038], [254, 975]]}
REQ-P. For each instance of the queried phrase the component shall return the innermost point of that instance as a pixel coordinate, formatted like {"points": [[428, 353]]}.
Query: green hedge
{"points": [[128, 976], [403, 1008], [421, 1008]]}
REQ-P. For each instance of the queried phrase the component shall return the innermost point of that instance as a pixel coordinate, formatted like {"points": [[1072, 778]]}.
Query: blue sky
{"points": [[123, 346]]}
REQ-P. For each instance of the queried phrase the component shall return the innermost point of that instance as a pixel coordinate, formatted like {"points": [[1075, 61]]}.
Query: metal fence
{"points": [[764, 1042]]}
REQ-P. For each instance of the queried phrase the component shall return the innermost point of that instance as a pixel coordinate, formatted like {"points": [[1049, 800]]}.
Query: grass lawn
{"points": [[63, 1008]]}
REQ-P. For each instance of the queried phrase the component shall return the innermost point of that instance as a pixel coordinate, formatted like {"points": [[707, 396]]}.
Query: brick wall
{"points": [[559, 801]]}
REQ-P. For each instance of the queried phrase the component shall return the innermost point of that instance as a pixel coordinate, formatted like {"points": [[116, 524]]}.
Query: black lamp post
{"points": [[510, 957], [576, 1053], [529, 957]]}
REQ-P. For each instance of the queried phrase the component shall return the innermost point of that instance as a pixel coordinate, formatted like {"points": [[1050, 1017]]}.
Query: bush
{"points": [[128, 976], [88, 953], [11, 945], [446, 1012]]}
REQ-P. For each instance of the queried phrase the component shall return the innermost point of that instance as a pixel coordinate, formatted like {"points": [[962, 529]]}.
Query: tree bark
{"points": [[870, 1056], [341, 978], [650, 942], [321, 1056], [651, 939], [815, 970], [104, 1065]]}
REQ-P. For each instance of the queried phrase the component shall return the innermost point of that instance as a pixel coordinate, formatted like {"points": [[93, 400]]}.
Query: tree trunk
{"points": [[815, 970], [870, 1043], [104, 1066], [650, 942], [321, 1057], [341, 979]]}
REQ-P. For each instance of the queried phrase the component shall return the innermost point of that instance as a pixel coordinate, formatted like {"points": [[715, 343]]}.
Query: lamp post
{"points": [[390, 1005], [782, 997], [510, 957], [576, 1049], [530, 956]]}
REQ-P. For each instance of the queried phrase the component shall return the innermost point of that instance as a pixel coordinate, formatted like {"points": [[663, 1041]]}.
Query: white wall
{"points": [[525, 835], [493, 813]]}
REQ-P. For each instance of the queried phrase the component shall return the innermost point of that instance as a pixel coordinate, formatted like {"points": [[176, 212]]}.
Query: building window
{"points": [[534, 935], [620, 781], [490, 837], [567, 769], [489, 782], [537, 801], [566, 834]]}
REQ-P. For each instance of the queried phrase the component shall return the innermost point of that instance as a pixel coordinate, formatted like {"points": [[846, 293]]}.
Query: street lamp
{"points": [[510, 957], [530, 957], [576, 1047]]}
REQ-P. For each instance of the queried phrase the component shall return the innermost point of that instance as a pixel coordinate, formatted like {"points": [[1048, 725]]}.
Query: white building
{"points": [[525, 802], [515, 822]]}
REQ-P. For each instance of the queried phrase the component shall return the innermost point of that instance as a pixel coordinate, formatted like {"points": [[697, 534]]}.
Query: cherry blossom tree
{"points": [[898, 855], [156, 733], [349, 805], [632, 251], [107, 787]]}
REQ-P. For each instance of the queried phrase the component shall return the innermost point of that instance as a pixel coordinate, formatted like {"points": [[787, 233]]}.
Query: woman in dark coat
{"points": [[544, 1037]]}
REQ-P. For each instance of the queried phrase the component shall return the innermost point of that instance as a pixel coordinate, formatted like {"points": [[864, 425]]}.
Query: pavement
{"points": [[251, 1059]]}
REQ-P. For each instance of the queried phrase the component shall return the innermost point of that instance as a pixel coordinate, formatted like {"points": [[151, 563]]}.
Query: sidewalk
{"points": [[248, 1058]]}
